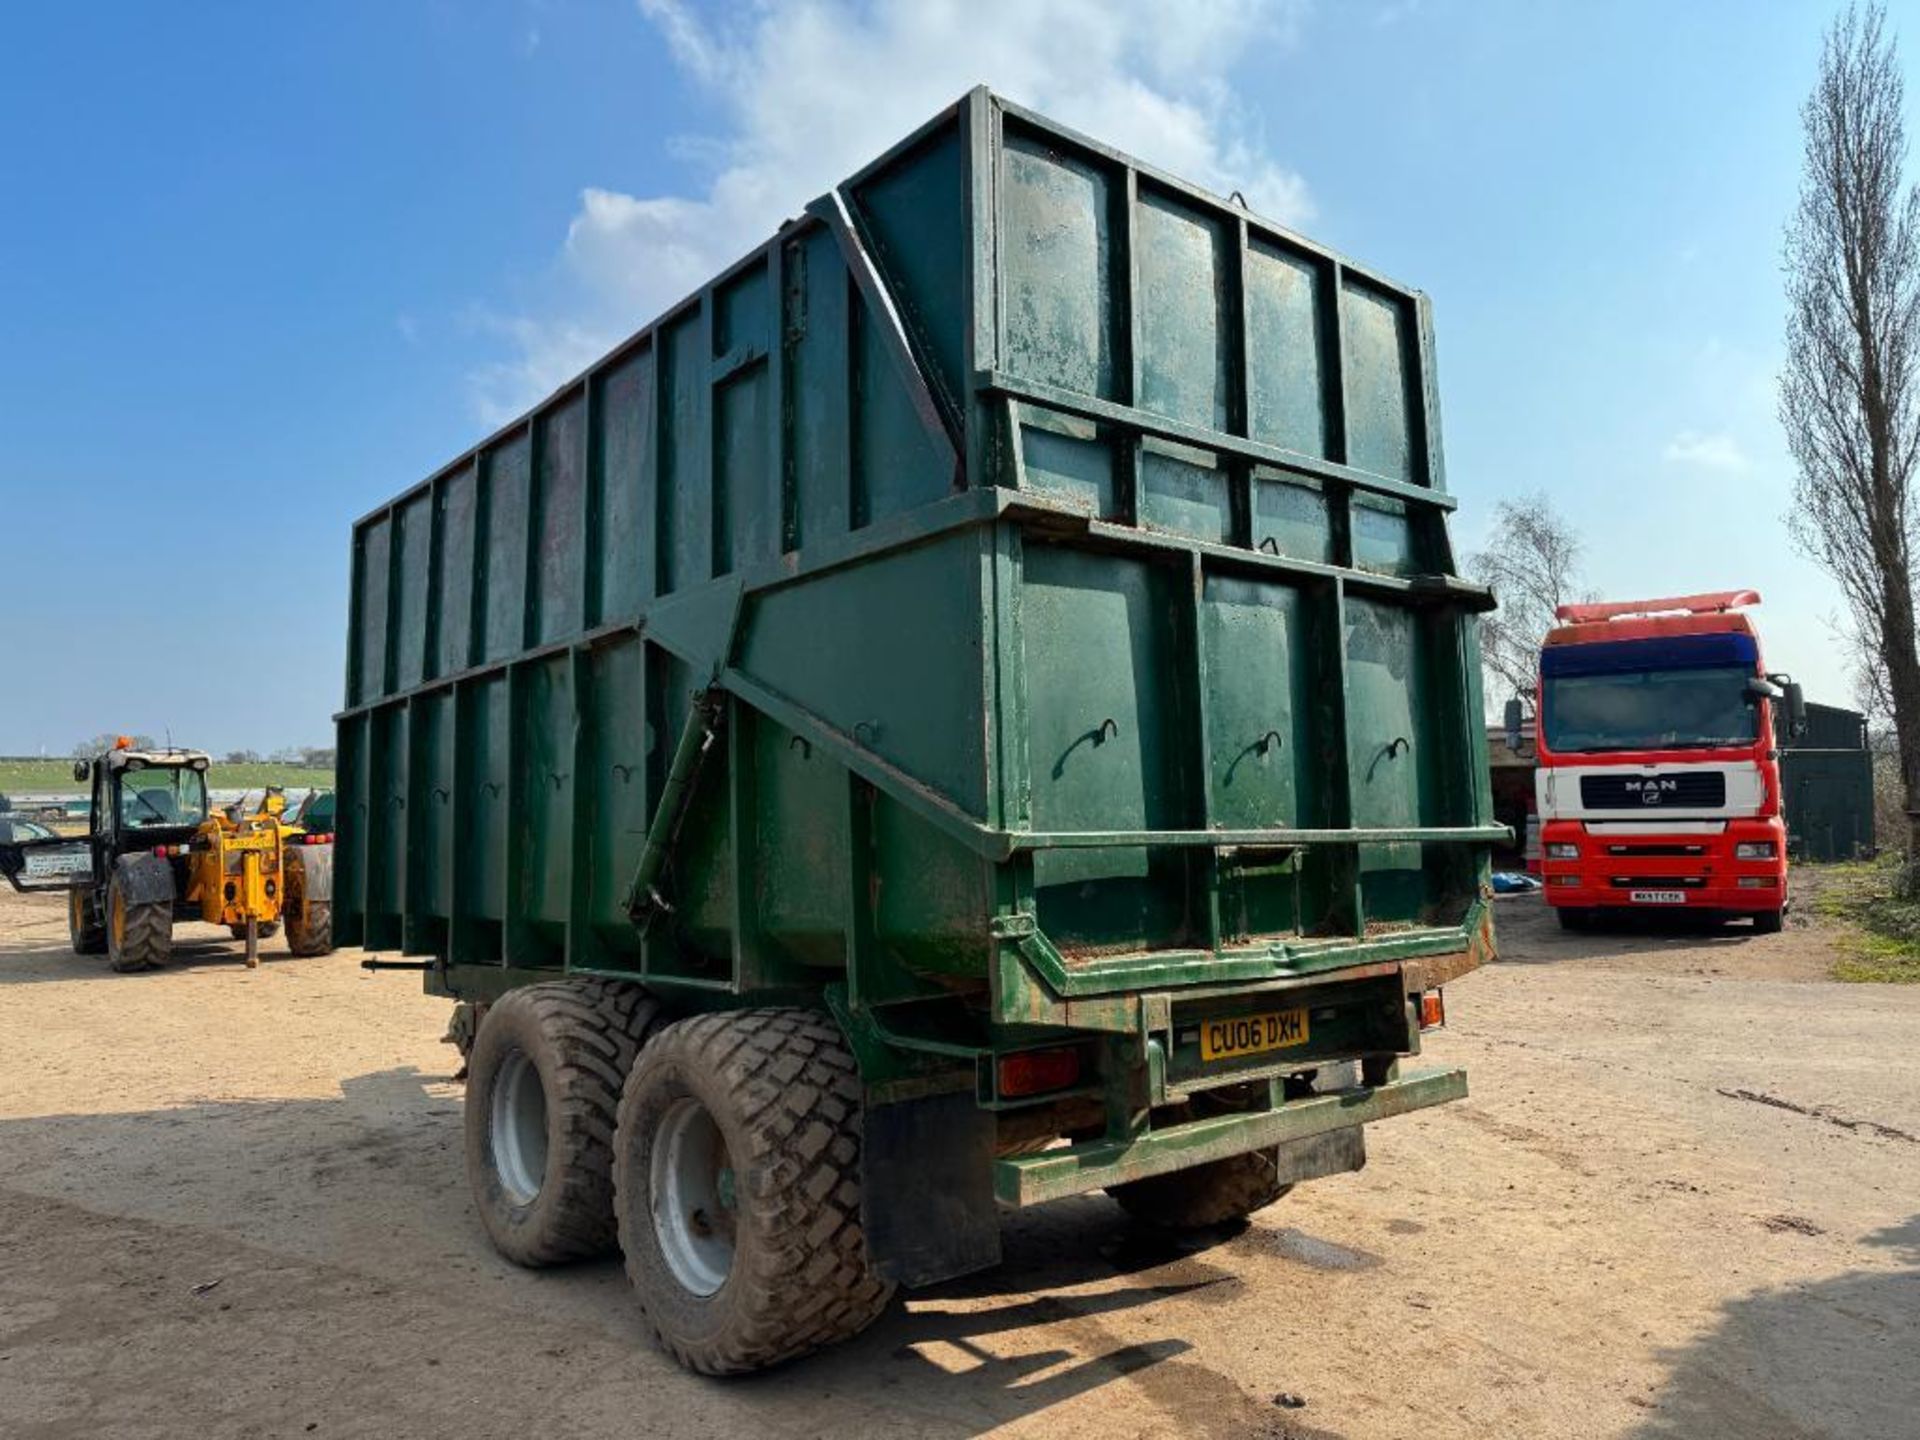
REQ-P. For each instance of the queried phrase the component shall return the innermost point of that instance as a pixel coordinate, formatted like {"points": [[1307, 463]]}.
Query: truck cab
{"points": [[1659, 778]]}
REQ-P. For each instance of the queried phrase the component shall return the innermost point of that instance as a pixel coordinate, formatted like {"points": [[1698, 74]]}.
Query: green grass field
{"points": [[1884, 944], [42, 777]]}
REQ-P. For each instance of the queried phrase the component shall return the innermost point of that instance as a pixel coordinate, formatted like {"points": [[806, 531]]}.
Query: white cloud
{"points": [[1716, 451], [810, 91]]}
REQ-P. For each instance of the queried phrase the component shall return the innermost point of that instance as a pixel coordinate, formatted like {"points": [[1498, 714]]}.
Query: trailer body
{"points": [[1011, 609]]}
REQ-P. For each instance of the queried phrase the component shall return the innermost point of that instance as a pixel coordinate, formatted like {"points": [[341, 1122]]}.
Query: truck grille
{"points": [[1657, 882], [1693, 789]]}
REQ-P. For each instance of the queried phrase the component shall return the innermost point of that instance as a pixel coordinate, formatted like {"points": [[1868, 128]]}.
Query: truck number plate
{"points": [[41, 863], [1657, 897], [1232, 1036]]}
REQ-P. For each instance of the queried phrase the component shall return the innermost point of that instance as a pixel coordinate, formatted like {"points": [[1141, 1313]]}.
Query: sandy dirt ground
{"points": [[1683, 1201]]}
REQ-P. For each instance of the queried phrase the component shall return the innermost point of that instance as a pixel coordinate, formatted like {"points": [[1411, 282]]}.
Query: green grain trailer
{"points": [[971, 707]]}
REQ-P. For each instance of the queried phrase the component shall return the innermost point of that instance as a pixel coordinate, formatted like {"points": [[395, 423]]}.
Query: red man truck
{"points": [[1659, 781]]}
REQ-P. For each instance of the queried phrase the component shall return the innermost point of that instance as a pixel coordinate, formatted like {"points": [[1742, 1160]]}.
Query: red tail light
{"points": [[1433, 1010], [1035, 1072]]}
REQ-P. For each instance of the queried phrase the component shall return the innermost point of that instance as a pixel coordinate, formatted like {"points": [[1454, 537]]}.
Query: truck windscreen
{"points": [[1687, 709]]}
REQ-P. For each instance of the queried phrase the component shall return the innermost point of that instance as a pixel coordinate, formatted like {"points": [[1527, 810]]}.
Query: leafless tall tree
{"points": [[1849, 388], [1532, 566]]}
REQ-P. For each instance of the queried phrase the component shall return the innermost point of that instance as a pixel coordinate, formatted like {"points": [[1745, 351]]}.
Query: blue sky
{"points": [[263, 266]]}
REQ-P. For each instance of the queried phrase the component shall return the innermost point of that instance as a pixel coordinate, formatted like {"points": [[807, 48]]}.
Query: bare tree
{"points": [[1849, 388], [1532, 566]]}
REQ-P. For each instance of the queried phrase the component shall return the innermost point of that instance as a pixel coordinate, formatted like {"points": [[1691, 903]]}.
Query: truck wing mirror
{"points": [[1515, 718], [1796, 709], [81, 769]]}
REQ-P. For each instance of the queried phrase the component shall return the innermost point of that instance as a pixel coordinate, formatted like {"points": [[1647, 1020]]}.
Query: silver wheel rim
{"points": [[692, 1192], [519, 1128]]}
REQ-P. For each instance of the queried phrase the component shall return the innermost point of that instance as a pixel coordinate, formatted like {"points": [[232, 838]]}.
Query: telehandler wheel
{"points": [[543, 1087], [310, 927], [84, 929], [307, 899], [139, 936], [737, 1185], [265, 929]]}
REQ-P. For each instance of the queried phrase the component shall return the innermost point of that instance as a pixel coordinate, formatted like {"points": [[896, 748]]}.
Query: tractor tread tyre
{"points": [[143, 939], [1217, 1193], [309, 928], [88, 936], [146, 939], [785, 1093], [581, 1037]]}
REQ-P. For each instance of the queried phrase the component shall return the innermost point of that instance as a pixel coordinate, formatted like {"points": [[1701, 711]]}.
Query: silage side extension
{"points": [[1012, 610]]}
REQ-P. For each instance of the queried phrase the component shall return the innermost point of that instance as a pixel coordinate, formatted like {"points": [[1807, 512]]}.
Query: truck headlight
{"points": [[1563, 852], [1753, 850]]}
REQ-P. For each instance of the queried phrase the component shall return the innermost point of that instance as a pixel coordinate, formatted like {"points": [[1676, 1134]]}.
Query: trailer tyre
{"points": [[737, 1186], [544, 1085], [84, 929], [139, 933], [1216, 1193]]}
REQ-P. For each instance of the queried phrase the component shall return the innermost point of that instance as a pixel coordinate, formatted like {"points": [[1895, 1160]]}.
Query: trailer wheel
{"points": [[139, 935], [544, 1085], [1216, 1193], [737, 1186], [84, 929]]}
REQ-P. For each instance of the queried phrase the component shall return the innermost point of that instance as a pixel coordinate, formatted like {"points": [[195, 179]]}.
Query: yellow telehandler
{"points": [[155, 852]]}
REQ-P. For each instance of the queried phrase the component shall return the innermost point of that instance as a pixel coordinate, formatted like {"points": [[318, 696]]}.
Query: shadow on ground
{"points": [[1779, 1361], [303, 1198], [201, 948], [1530, 933]]}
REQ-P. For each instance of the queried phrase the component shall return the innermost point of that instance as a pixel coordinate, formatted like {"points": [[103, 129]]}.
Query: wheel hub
{"points": [[518, 1128], [694, 1197]]}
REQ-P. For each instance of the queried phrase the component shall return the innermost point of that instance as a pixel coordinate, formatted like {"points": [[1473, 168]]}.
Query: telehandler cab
{"points": [[155, 852]]}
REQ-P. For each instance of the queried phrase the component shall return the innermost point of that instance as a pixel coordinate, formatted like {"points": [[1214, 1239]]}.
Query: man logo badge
{"points": [[1652, 792]]}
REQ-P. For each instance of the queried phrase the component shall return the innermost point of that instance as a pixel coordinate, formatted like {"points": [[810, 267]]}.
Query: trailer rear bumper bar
{"points": [[1095, 1164]]}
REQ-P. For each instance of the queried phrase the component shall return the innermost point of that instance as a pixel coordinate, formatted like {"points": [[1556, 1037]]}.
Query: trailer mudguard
{"points": [[926, 1201]]}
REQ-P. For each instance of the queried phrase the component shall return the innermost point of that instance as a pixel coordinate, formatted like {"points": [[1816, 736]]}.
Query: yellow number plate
{"points": [[1236, 1035]]}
